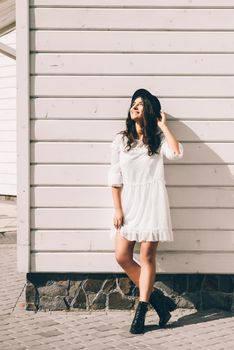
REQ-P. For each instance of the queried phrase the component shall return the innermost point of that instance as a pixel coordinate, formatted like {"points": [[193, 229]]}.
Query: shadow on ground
{"points": [[194, 318]]}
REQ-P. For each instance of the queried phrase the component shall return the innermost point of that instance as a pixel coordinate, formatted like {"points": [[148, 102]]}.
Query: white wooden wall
{"points": [[87, 58], [8, 119]]}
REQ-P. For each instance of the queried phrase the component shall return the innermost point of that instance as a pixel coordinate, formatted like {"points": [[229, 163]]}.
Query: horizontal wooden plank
{"points": [[8, 157], [96, 175], [131, 41], [99, 240], [6, 104], [131, 64], [7, 169], [73, 262], [7, 82], [7, 179], [9, 71], [105, 262], [116, 108], [212, 197], [190, 197], [134, 3], [8, 135], [7, 146], [7, 114], [124, 86], [203, 175], [99, 152], [8, 125], [85, 130], [101, 218], [8, 189], [9, 92], [104, 18]]}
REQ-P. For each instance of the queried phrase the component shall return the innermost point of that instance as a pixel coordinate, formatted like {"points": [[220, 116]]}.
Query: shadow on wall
{"points": [[201, 189], [201, 195]]}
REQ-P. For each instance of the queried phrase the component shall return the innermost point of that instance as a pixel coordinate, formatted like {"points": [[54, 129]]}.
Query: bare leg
{"points": [[124, 256], [148, 269]]}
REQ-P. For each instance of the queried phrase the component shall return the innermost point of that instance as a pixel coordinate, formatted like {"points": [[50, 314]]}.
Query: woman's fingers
{"points": [[118, 223]]}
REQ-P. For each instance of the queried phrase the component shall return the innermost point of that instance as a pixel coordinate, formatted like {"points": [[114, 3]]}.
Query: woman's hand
{"points": [[162, 120], [118, 218]]}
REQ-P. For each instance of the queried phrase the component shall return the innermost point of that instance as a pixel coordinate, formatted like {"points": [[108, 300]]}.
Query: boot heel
{"points": [[162, 322]]}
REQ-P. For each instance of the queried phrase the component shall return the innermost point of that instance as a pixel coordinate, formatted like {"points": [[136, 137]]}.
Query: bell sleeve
{"points": [[114, 177], [169, 153]]}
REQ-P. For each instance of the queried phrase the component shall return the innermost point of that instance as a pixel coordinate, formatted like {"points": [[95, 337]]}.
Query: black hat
{"points": [[145, 93]]}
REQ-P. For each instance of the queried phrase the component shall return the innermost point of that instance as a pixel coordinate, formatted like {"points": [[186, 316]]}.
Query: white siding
{"points": [[87, 58], [8, 119]]}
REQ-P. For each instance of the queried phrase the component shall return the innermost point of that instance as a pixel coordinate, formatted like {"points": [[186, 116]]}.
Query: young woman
{"points": [[141, 206]]}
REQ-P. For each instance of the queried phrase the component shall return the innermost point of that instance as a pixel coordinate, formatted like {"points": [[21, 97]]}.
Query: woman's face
{"points": [[137, 109]]}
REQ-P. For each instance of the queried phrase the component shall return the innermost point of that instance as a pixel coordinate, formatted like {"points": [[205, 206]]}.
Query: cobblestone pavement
{"points": [[99, 330]]}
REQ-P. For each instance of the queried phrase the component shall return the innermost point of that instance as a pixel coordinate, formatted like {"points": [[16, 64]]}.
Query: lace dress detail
{"points": [[144, 195]]}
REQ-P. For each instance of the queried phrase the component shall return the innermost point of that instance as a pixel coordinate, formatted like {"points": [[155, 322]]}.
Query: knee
{"points": [[148, 259], [123, 259]]}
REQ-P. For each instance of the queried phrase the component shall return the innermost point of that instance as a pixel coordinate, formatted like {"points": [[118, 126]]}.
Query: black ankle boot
{"points": [[170, 304], [162, 305], [138, 322]]}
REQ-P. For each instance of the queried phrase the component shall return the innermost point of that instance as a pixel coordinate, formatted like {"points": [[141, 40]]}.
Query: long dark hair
{"points": [[151, 132]]}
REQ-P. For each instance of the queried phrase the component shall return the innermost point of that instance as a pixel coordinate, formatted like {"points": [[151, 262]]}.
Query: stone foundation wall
{"points": [[53, 291]]}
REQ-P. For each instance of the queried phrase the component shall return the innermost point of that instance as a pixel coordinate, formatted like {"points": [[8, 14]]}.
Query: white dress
{"points": [[144, 195]]}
